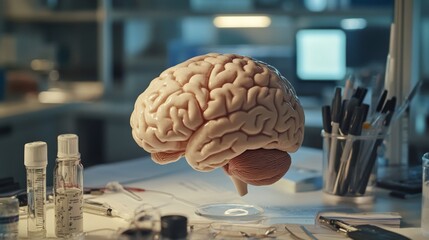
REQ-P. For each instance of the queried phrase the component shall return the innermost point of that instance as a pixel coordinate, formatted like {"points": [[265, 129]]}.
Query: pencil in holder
{"points": [[349, 165]]}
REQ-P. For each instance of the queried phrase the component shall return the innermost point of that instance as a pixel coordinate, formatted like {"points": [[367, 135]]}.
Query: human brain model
{"points": [[221, 110]]}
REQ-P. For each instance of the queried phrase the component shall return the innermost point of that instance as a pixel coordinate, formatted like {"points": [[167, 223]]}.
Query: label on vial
{"points": [[68, 212], [36, 198]]}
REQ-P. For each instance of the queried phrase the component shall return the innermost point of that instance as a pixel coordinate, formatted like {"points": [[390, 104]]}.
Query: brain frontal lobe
{"points": [[213, 108]]}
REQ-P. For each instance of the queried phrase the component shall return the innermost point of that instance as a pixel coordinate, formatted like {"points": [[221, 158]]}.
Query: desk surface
{"points": [[191, 188]]}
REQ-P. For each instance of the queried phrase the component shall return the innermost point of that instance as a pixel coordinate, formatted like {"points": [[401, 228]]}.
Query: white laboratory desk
{"points": [[191, 188]]}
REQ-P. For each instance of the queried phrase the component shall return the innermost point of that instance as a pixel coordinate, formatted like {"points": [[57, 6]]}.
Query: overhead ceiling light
{"points": [[242, 21], [353, 23], [316, 5]]}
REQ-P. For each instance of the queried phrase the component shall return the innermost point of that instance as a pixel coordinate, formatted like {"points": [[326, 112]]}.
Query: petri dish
{"points": [[230, 211]]}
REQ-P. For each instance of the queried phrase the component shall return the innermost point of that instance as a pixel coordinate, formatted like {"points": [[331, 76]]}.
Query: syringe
{"points": [[102, 209]]}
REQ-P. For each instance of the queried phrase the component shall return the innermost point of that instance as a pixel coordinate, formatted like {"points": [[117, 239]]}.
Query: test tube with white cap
{"points": [[35, 161], [68, 188]]}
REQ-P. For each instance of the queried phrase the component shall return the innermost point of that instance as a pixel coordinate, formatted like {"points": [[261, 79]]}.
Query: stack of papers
{"points": [[386, 219], [300, 180]]}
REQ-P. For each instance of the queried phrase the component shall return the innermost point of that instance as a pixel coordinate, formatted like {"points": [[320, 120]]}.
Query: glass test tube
{"points": [[68, 188], [35, 161]]}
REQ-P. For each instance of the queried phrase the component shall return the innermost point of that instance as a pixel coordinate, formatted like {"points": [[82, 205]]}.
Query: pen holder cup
{"points": [[349, 166]]}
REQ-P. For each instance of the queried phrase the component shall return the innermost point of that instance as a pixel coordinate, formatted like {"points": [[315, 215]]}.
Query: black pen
{"points": [[360, 94], [390, 105], [345, 122], [365, 111], [381, 100], [350, 152], [357, 92], [388, 111], [379, 107], [336, 110], [326, 118]]}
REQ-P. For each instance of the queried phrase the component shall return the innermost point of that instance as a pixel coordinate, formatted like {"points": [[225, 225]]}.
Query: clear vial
{"points": [[35, 161], [9, 217], [68, 188]]}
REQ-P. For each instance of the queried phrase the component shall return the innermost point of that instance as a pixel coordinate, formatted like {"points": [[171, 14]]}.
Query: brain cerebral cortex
{"points": [[214, 107]]}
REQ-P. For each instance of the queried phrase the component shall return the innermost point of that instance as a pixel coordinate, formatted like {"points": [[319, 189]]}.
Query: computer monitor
{"points": [[320, 54], [320, 60]]}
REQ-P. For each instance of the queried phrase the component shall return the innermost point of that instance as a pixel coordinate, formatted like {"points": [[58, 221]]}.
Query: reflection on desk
{"points": [[191, 189]]}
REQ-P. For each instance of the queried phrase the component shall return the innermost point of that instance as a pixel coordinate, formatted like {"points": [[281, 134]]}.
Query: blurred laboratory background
{"points": [[78, 65]]}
